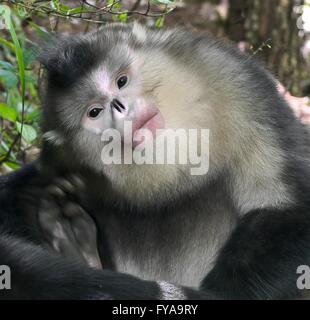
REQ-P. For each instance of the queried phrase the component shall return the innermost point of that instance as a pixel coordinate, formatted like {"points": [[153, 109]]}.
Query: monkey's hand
{"points": [[67, 227]]}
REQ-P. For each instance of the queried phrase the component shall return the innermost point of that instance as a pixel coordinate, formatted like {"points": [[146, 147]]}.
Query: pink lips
{"points": [[156, 121], [150, 119]]}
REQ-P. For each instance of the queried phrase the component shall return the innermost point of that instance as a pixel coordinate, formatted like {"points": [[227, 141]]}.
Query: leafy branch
{"points": [[90, 12]]}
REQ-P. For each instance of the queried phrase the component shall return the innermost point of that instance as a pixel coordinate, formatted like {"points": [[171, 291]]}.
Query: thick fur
{"points": [[240, 231]]}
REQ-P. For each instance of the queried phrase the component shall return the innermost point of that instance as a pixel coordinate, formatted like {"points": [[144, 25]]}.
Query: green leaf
{"points": [[75, 10], [22, 12], [41, 32], [116, 7], [33, 116], [13, 97], [5, 11], [55, 4], [8, 78], [160, 22], [7, 112], [28, 132], [7, 66], [30, 77], [123, 17], [12, 165], [30, 55], [4, 148], [64, 8], [7, 43]]}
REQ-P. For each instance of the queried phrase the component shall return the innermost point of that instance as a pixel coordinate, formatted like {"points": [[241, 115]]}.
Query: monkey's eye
{"points": [[94, 111], [122, 81]]}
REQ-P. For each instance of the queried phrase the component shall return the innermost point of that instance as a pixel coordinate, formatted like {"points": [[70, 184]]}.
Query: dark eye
{"points": [[94, 111], [122, 81]]}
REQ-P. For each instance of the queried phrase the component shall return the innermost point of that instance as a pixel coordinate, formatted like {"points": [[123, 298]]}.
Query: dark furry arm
{"points": [[39, 273], [262, 256]]}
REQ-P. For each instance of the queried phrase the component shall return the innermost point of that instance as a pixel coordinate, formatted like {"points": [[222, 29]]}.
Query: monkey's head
{"points": [[124, 88], [111, 84]]}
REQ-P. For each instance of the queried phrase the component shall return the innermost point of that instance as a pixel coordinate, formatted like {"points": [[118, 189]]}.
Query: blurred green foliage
{"points": [[18, 91]]}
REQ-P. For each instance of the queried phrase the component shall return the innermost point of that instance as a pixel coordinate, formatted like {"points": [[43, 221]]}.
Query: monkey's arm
{"points": [[39, 273], [262, 256], [67, 227]]}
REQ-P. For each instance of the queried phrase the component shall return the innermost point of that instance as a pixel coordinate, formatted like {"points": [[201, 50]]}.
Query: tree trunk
{"points": [[270, 29]]}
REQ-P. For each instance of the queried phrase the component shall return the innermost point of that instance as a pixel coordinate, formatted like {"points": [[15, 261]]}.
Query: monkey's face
{"points": [[120, 104], [109, 94]]}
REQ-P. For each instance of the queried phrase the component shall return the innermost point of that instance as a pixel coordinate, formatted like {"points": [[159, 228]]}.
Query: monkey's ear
{"points": [[52, 58], [66, 59], [50, 47]]}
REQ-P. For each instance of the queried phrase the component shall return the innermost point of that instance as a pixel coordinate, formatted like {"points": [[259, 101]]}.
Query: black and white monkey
{"points": [[238, 232]]}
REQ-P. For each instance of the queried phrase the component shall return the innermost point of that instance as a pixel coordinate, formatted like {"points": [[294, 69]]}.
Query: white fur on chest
{"points": [[184, 257]]}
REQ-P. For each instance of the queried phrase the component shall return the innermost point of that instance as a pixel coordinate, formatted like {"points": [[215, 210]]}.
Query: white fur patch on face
{"points": [[102, 81], [170, 292]]}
